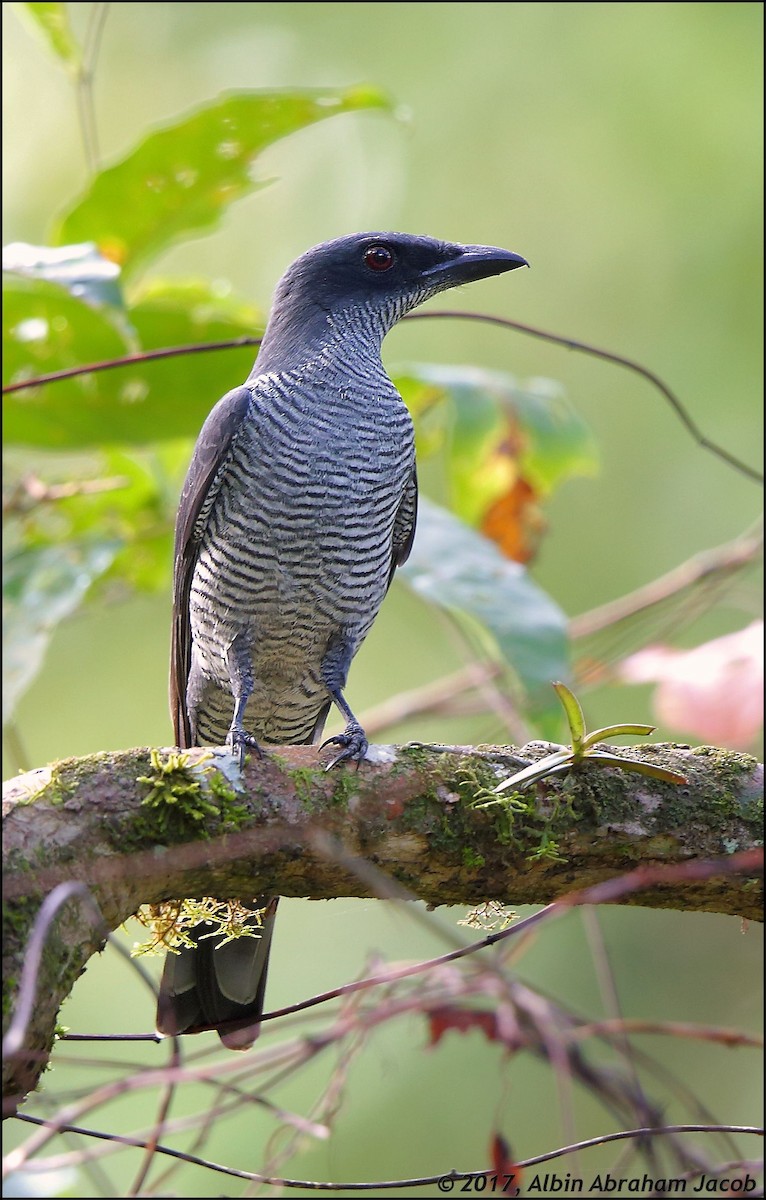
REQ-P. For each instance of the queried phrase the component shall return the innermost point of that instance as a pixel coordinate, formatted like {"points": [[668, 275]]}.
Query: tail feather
{"points": [[218, 986]]}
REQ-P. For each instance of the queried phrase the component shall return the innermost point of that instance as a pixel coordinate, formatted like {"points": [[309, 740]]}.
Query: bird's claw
{"points": [[353, 742], [238, 741]]}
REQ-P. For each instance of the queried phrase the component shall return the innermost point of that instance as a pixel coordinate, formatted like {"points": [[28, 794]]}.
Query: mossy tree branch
{"points": [[143, 826]]}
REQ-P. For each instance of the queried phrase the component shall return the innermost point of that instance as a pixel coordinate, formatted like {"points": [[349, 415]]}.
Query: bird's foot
{"points": [[353, 742], [239, 740]]}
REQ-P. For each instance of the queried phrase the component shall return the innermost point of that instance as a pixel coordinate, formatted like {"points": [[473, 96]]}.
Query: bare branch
{"points": [[31, 491], [712, 568]]}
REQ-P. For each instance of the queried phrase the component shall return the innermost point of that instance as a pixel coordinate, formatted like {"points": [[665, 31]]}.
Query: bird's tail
{"points": [[218, 984], [215, 983]]}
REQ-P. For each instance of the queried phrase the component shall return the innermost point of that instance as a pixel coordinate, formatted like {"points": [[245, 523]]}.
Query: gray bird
{"points": [[299, 504]]}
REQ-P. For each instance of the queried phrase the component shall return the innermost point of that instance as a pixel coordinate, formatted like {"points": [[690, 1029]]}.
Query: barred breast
{"points": [[298, 543]]}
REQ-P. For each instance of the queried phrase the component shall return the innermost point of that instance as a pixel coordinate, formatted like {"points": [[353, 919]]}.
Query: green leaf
{"points": [[557, 444], [574, 714], [41, 586], [46, 328], [553, 764], [180, 179], [603, 759], [496, 429], [52, 21], [180, 391], [109, 527], [456, 567], [610, 731]]}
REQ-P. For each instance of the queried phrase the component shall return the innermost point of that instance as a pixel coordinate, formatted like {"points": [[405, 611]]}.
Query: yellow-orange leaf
{"points": [[515, 522]]}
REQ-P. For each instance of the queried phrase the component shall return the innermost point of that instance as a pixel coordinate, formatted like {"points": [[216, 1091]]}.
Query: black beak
{"points": [[475, 262]]}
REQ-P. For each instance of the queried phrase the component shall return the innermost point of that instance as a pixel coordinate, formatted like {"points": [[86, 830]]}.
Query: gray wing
{"points": [[203, 480], [404, 525]]}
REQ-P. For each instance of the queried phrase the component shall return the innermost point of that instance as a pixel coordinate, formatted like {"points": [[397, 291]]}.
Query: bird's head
{"points": [[373, 278]]}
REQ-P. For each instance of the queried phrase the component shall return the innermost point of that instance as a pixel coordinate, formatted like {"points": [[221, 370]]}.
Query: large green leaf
{"points": [[454, 566], [41, 586], [46, 329], [181, 178], [182, 390]]}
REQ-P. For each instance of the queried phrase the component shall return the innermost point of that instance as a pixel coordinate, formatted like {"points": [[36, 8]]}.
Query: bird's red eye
{"points": [[378, 258]]}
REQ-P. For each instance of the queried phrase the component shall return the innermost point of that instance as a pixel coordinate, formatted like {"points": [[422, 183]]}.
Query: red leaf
{"points": [[504, 1169], [463, 1020]]}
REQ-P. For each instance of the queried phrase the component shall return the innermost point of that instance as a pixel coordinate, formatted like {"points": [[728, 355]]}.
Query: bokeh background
{"points": [[618, 148]]}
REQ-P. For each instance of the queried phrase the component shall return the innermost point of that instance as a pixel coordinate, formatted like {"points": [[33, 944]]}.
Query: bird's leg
{"points": [[335, 667], [353, 740], [238, 739], [241, 677]]}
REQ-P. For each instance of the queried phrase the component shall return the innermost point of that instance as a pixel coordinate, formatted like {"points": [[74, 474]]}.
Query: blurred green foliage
{"points": [[73, 305], [618, 147]]}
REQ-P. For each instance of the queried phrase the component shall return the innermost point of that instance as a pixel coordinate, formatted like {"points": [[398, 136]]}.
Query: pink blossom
{"points": [[713, 692]]}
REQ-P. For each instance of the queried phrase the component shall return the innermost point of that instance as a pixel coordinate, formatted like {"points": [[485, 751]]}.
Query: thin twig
{"points": [[85, 77], [388, 1184], [160, 1125], [677, 1029], [618, 360], [13, 1041], [452, 314], [611, 1001], [31, 491], [705, 567], [436, 697], [622, 1134], [129, 360], [611, 890]]}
